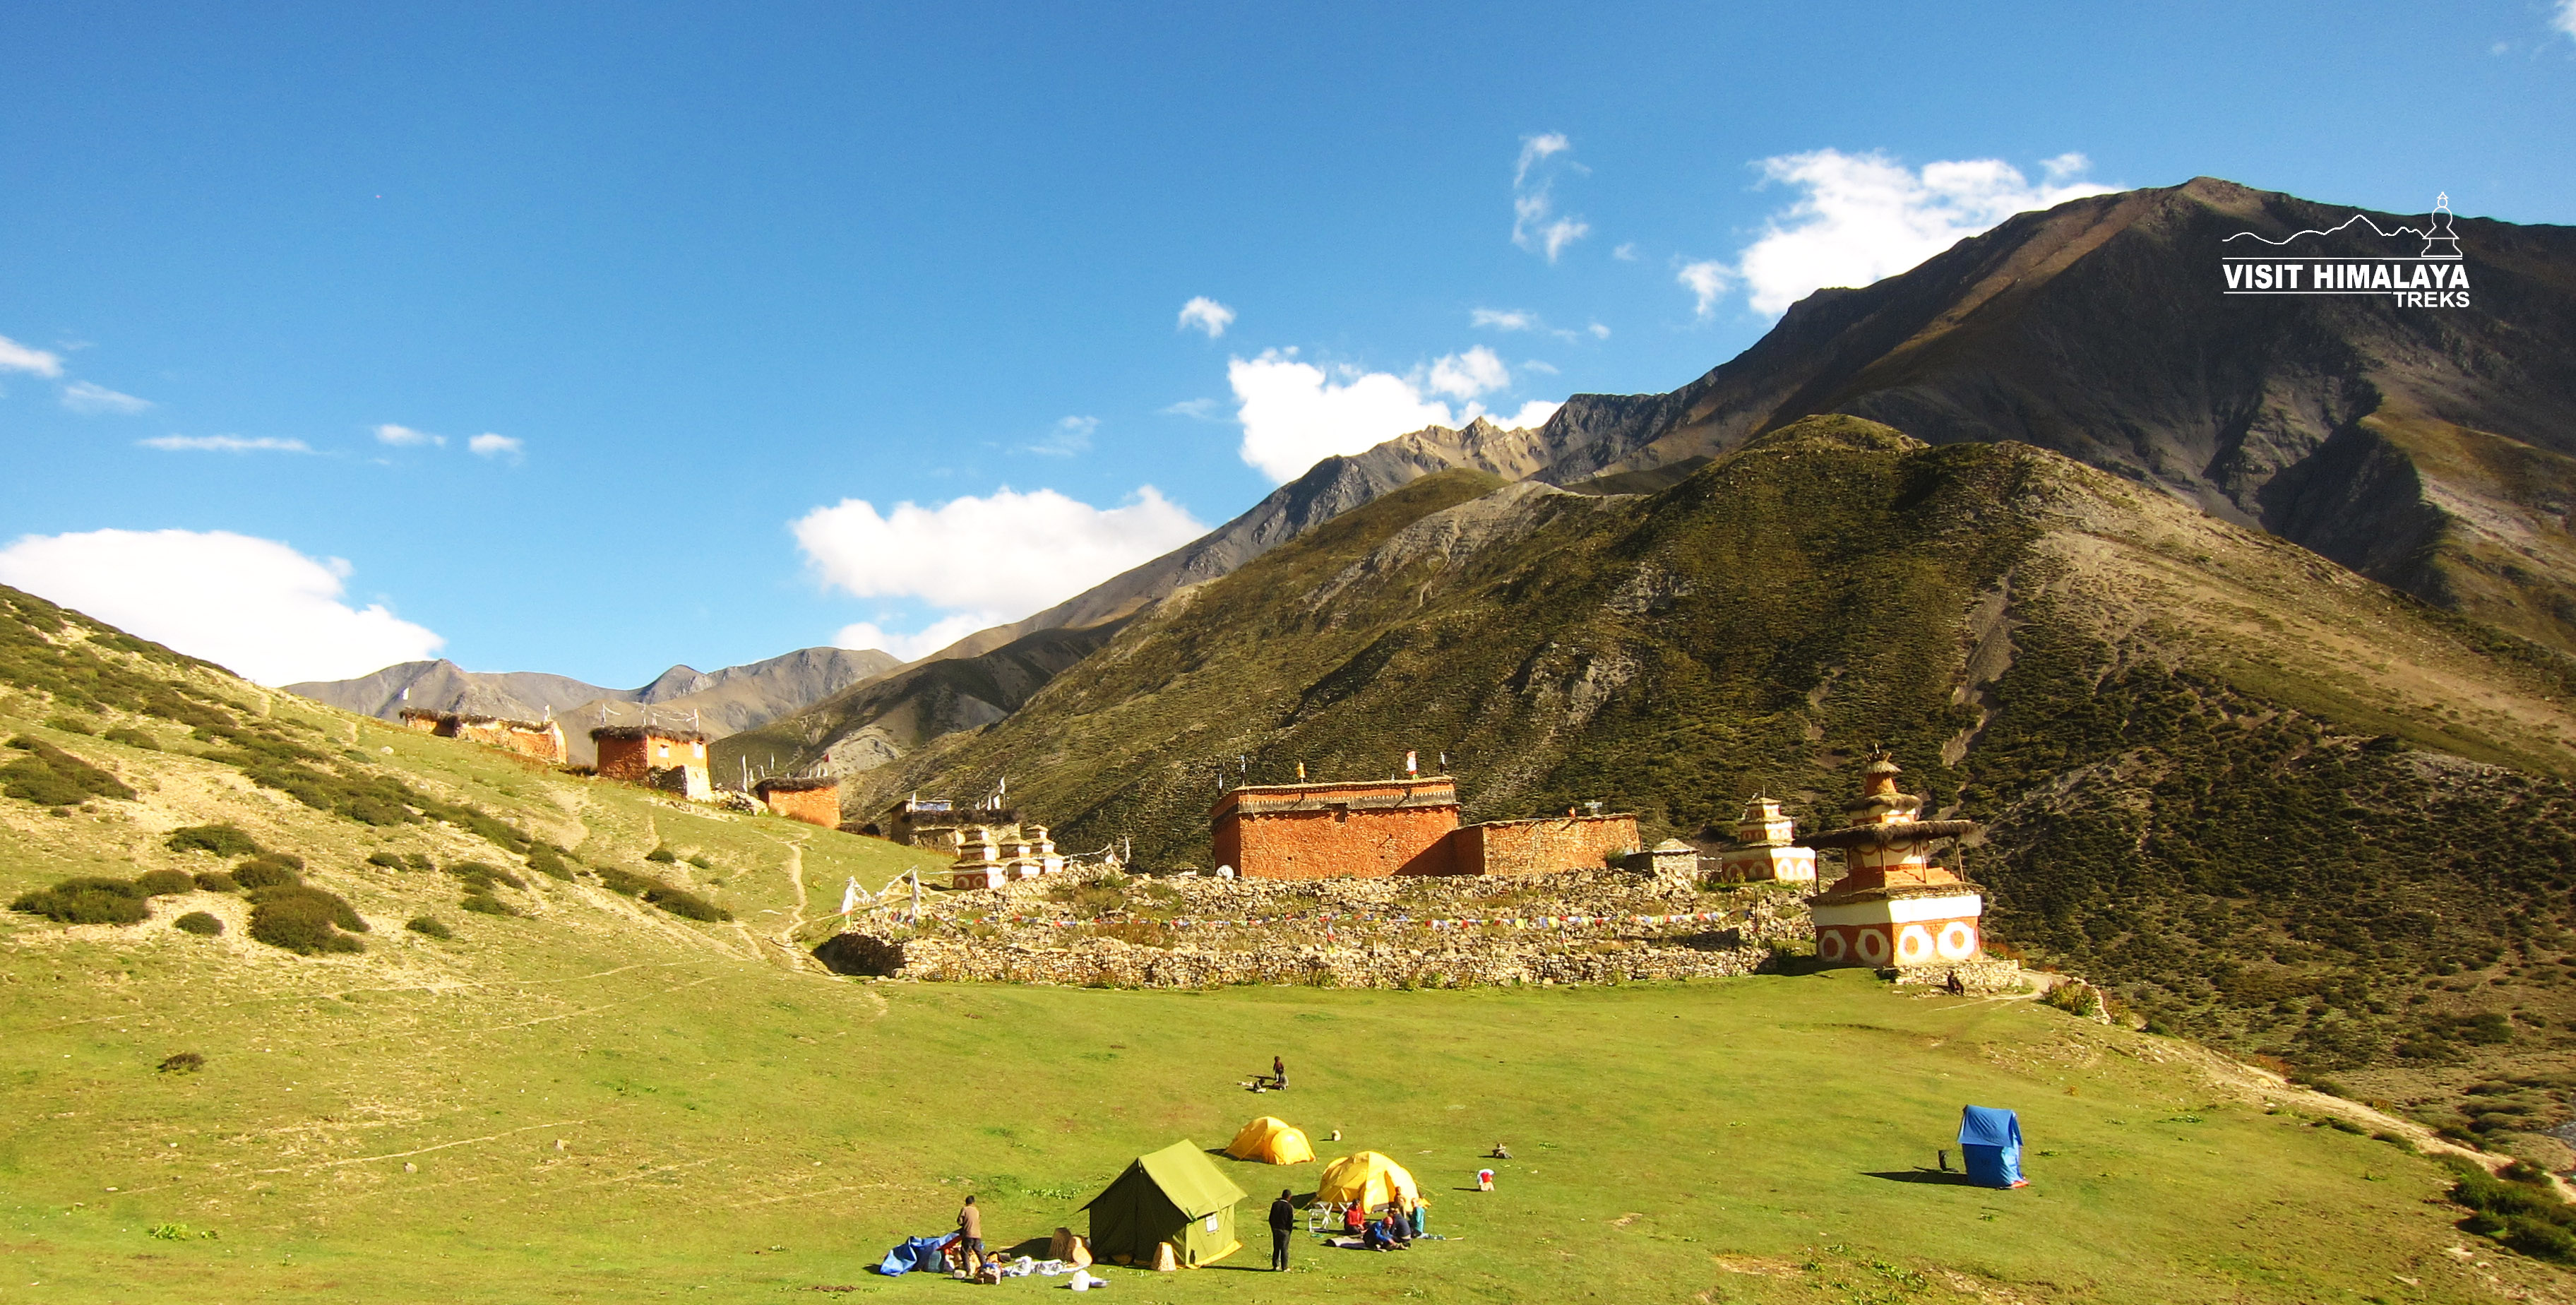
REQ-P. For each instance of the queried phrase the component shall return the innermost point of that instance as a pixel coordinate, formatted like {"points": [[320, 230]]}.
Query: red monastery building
{"points": [[659, 756], [1893, 907], [1373, 830], [543, 740], [814, 801]]}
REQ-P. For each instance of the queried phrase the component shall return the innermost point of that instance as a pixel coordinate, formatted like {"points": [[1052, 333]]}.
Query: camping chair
{"points": [[1326, 1217]]}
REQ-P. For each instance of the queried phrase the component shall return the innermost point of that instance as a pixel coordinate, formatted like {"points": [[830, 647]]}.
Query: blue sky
{"points": [[654, 298]]}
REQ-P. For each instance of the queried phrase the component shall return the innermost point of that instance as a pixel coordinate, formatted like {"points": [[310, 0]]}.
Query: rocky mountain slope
{"points": [[721, 702], [2430, 449], [2259, 794]]}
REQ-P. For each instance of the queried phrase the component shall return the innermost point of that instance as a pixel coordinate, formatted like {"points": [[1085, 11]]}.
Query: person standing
{"points": [[1278, 1074], [1283, 1221], [970, 1235]]}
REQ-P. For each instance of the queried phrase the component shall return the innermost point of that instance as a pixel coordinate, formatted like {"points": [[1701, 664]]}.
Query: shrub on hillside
{"points": [[688, 905], [2527, 1217], [305, 920], [218, 881], [548, 860], [480, 877], [72, 724], [165, 883], [185, 1062], [430, 926], [701, 862], [385, 860], [132, 738], [51, 777], [676, 900], [199, 923], [222, 840], [269, 870], [86, 901], [487, 904], [661, 856]]}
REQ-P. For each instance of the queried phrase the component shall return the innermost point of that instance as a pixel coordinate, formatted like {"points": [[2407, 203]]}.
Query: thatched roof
{"points": [[785, 784], [672, 733]]}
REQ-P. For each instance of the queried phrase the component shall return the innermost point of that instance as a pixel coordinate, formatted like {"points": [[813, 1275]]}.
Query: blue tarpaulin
{"points": [[1990, 1139], [915, 1253]]}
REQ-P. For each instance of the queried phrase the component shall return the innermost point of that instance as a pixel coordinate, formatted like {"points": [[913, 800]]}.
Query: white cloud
{"points": [[94, 400], [1002, 556], [1708, 280], [16, 357], [1538, 365], [2565, 19], [254, 605], [1205, 314], [224, 444], [921, 643], [1294, 416], [1599, 332], [1536, 225], [1535, 149], [1862, 217], [1201, 409], [406, 437], [1071, 435], [1466, 375], [1503, 319], [1626, 253], [489, 445], [1532, 415]]}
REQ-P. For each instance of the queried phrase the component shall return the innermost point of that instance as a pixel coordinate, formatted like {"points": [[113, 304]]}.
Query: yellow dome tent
{"points": [[1368, 1180], [1271, 1141]]}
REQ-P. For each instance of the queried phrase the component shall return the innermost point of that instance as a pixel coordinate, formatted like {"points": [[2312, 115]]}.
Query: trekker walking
{"points": [[970, 1234], [1283, 1221]]}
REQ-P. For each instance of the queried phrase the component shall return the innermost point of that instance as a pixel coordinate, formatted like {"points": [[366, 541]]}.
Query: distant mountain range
{"points": [[2431, 449], [719, 702]]}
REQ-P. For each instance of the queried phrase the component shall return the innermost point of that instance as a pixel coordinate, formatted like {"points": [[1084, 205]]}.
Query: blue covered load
{"points": [[1990, 1139], [927, 1253]]}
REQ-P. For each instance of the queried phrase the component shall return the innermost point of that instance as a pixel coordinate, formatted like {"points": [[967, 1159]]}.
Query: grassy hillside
{"points": [[593, 1097], [2271, 803]]}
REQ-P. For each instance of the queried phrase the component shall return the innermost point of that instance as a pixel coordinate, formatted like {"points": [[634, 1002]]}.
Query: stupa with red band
{"points": [[1893, 906]]}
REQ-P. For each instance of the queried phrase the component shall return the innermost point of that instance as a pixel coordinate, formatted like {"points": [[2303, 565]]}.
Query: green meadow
{"points": [[618, 1128]]}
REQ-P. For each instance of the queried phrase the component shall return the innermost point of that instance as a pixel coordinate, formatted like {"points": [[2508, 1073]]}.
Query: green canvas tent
{"points": [[1175, 1195]]}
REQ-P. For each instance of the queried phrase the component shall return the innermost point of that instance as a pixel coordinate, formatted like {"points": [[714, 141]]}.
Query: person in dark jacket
{"points": [[1283, 1221], [970, 1236]]}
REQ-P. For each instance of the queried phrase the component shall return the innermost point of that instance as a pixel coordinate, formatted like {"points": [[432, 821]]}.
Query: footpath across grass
{"points": [[599, 1127]]}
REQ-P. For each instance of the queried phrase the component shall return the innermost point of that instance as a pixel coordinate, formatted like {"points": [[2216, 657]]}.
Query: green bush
{"points": [[487, 904], [269, 870], [72, 725], [305, 920], [184, 1062], [199, 923], [132, 738], [218, 881], [165, 883], [701, 862], [418, 862], [222, 840], [86, 901], [678, 901], [385, 860], [480, 877], [51, 777], [548, 860], [2530, 1219], [430, 926], [662, 856]]}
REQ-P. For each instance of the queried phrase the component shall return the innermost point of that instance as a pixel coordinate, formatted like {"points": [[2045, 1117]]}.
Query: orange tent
{"points": [[1271, 1141], [1368, 1180]]}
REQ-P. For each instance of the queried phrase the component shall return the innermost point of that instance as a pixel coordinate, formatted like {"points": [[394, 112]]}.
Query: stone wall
{"points": [[814, 806], [1111, 963], [511, 736], [1543, 845]]}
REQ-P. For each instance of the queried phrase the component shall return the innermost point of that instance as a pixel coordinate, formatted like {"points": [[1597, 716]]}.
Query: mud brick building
{"points": [[657, 756], [1894, 907], [814, 801], [543, 740], [1372, 830], [1541, 845]]}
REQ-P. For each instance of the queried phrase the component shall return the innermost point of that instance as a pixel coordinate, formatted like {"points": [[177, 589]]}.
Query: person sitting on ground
{"points": [[1354, 1218], [1500, 1152], [1383, 1232], [1417, 1218], [1399, 1221], [1373, 1236]]}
